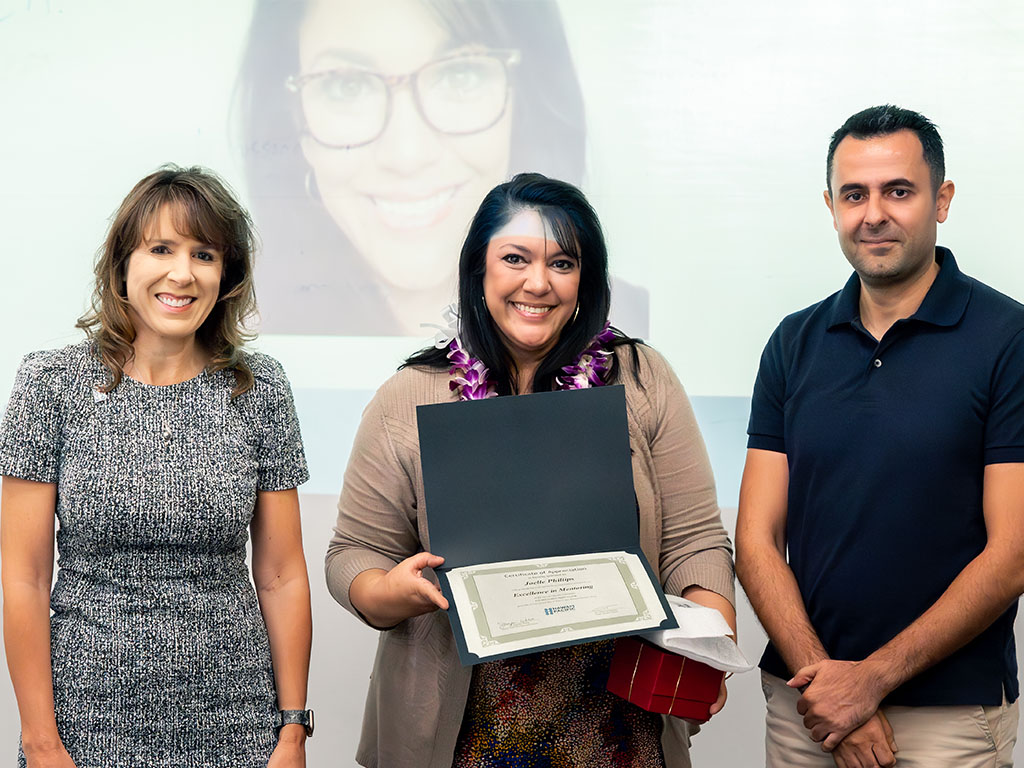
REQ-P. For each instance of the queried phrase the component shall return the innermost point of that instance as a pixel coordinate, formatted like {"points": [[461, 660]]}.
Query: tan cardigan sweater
{"points": [[418, 688]]}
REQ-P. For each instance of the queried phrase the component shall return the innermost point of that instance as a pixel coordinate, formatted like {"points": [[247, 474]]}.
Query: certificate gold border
{"points": [[472, 612]]}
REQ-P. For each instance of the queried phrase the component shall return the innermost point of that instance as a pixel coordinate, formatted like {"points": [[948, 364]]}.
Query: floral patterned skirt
{"points": [[551, 710]]}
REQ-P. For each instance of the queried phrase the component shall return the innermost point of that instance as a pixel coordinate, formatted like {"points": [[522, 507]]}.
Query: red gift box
{"points": [[659, 681]]}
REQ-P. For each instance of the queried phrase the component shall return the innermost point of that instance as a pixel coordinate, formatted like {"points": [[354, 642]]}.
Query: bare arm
{"points": [[769, 583], [26, 550], [282, 586], [840, 695], [761, 559]]}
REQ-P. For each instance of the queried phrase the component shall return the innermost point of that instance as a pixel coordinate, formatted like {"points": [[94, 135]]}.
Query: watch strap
{"points": [[303, 717]]}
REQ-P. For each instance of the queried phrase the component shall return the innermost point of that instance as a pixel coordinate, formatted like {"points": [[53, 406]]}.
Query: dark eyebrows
{"points": [[900, 183], [857, 187], [201, 246], [530, 252]]}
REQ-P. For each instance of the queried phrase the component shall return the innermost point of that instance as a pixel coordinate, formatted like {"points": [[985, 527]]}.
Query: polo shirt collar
{"points": [[943, 305]]}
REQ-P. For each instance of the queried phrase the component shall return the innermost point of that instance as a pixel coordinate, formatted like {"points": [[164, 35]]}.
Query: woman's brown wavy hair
{"points": [[203, 208]]}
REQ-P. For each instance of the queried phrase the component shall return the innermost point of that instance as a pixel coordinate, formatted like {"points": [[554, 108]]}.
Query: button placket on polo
{"points": [[891, 337], [875, 361], [875, 358]]}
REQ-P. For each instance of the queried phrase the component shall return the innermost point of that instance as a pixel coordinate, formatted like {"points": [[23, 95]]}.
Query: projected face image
{"points": [[530, 285], [371, 132], [883, 207], [172, 282], [405, 133]]}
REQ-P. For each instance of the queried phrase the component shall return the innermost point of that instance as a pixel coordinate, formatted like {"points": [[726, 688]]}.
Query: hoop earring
{"points": [[312, 191], [575, 314]]}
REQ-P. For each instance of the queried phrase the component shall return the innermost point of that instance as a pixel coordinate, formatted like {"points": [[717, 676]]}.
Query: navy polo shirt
{"points": [[887, 443]]}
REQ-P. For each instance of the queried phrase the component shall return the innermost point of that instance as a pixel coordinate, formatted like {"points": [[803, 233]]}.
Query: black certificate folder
{"points": [[545, 475]]}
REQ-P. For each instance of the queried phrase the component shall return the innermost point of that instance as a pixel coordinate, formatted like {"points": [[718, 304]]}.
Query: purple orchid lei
{"points": [[592, 362], [469, 375]]}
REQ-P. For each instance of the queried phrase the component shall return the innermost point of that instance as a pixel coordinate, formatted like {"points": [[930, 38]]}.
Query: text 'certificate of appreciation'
{"points": [[522, 604]]}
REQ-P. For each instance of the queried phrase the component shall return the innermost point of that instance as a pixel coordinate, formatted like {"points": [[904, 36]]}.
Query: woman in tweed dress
{"points": [[160, 446]]}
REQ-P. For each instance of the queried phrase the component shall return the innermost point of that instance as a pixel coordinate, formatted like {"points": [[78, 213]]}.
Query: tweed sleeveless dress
{"points": [[160, 654]]}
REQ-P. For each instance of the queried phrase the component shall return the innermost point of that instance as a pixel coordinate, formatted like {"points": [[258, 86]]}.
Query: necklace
{"points": [[469, 375]]}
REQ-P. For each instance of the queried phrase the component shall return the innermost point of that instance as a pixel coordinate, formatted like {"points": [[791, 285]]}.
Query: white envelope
{"points": [[703, 635]]}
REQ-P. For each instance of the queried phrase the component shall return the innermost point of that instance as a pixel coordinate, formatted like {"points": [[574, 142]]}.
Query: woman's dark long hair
{"points": [[577, 231], [548, 130]]}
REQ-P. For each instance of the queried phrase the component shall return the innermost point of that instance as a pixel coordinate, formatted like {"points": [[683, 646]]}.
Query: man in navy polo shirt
{"points": [[886, 456]]}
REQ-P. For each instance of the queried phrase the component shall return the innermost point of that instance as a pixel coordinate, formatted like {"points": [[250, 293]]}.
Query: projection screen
{"points": [[698, 130]]}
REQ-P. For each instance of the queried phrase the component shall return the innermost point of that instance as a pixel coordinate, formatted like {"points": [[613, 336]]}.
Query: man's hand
{"points": [[840, 696], [871, 746]]}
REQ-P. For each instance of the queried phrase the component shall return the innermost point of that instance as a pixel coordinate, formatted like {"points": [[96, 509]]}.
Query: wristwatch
{"points": [[303, 717]]}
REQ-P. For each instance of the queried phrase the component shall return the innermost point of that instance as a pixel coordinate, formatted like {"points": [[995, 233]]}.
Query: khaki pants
{"points": [[927, 737]]}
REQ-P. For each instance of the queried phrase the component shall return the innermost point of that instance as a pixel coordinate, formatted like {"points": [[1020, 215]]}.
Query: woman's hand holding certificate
{"points": [[386, 598]]}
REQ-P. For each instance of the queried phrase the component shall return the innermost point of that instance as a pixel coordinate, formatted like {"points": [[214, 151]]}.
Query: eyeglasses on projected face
{"points": [[350, 106]]}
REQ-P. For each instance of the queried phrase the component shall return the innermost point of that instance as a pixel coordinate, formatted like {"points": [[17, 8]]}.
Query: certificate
{"points": [[532, 506], [520, 605]]}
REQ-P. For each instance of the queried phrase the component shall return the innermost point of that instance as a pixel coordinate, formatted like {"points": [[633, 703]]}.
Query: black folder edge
{"points": [[469, 659], [633, 547]]}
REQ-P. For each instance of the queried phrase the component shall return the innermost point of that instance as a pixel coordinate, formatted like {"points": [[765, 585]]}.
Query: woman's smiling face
{"points": [[530, 286], [404, 199], [172, 282]]}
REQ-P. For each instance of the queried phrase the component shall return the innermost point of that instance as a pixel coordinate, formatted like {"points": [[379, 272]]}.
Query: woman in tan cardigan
{"points": [[533, 288]]}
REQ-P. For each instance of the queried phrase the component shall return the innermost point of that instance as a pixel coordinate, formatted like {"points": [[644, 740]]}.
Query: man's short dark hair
{"points": [[887, 119]]}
